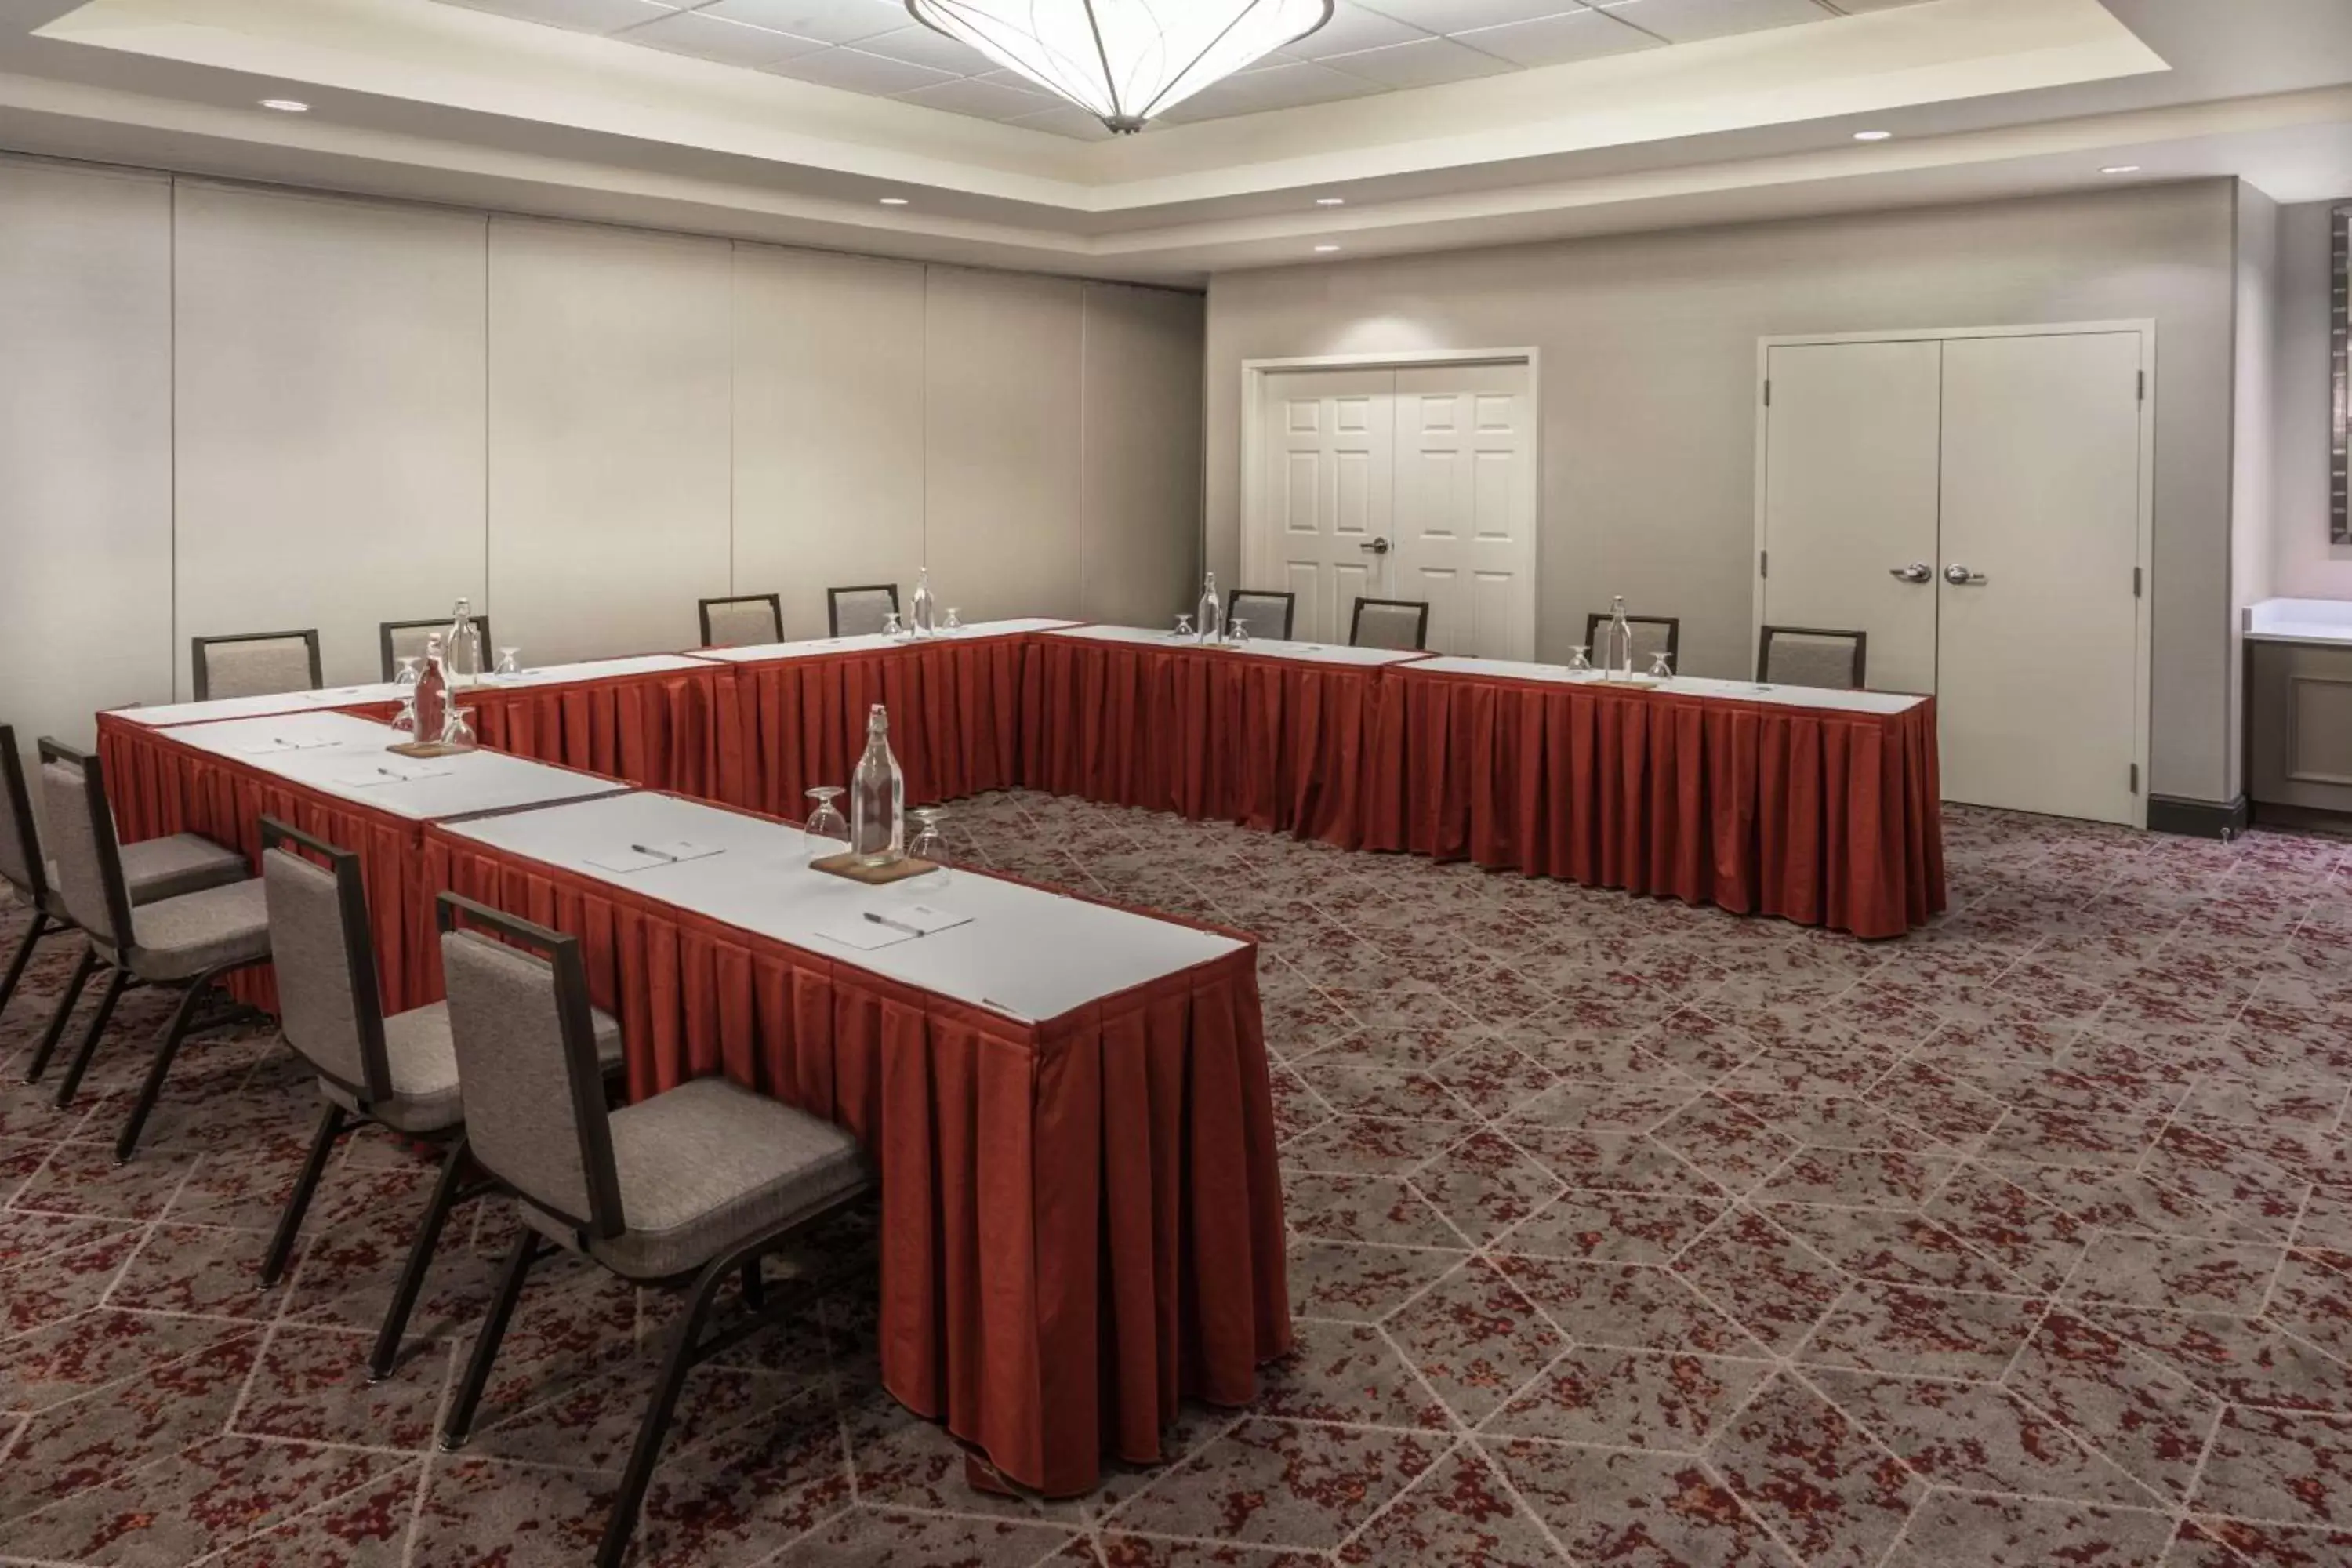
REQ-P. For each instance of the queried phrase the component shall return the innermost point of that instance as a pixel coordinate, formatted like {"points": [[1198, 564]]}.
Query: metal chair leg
{"points": [[460, 1424], [70, 1085], [755, 1288], [446, 1194], [166, 1047], [24, 956], [654, 1426], [58, 1020], [306, 1187]]}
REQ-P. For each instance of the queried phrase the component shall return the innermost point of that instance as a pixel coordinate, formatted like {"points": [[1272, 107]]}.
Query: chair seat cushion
{"points": [[424, 1061], [709, 1165], [158, 869], [175, 939]]}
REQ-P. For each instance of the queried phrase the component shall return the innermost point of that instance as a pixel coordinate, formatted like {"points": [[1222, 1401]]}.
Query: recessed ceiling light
{"points": [[1331, 201], [2121, 169], [894, 201], [286, 105], [1874, 135], [1324, 248]]}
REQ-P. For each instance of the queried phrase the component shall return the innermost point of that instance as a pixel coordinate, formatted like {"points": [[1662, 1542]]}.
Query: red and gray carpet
{"points": [[1623, 1232]]}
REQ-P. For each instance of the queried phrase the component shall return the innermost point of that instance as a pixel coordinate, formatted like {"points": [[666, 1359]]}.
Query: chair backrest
{"points": [[527, 1071], [320, 940], [1269, 615], [1810, 656], [1653, 635], [1389, 623], [747, 620], [407, 639], [854, 612], [255, 664], [21, 865], [81, 836]]}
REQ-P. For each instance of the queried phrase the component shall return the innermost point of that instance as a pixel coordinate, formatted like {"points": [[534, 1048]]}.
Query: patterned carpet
{"points": [[1624, 1233]]}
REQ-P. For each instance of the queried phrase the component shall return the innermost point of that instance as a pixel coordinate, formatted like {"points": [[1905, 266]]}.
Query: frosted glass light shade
{"points": [[1123, 61]]}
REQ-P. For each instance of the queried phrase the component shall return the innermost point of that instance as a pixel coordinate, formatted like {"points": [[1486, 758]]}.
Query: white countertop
{"points": [[1684, 685], [174, 713], [2300, 620], [1265, 647], [871, 642], [591, 669], [1027, 952], [474, 780]]}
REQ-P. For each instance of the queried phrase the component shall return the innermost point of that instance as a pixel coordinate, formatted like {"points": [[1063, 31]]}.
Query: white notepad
{"points": [[627, 857]]}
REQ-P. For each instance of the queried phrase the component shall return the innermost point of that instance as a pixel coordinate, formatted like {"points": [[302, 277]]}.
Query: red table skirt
{"points": [[955, 713], [657, 730], [158, 787], [1082, 1218], [1270, 744], [1823, 817]]}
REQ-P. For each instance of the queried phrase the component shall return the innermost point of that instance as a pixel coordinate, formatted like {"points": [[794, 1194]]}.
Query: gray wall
{"points": [[1648, 393], [227, 408], [2304, 565]]}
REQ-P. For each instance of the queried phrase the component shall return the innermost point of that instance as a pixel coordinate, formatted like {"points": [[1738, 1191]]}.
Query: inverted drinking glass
{"points": [[1236, 630], [931, 838], [955, 620], [1183, 625], [1578, 660], [458, 729], [1661, 667], [509, 661], [892, 627], [826, 832], [407, 679]]}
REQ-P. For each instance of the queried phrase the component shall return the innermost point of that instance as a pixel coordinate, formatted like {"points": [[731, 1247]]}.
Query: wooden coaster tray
{"points": [[845, 865], [428, 749]]}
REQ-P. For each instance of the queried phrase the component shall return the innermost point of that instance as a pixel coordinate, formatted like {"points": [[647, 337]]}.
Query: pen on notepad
{"points": [[656, 854], [894, 925]]}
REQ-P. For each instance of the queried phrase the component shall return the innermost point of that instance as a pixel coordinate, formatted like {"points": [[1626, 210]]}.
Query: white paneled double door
{"points": [[1414, 482], [1976, 504]]}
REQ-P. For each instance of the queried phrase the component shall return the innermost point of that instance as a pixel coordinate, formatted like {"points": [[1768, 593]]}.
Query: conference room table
{"points": [[1820, 807], [1067, 1103], [328, 773]]}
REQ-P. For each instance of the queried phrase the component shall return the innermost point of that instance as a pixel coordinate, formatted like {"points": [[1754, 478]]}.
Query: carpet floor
{"points": [[1621, 1232]]}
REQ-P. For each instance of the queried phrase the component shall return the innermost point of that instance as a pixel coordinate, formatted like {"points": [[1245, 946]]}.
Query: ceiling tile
{"points": [[1460, 16], [826, 21], [853, 70], [1425, 64], [988, 100], [580, 16], [1688, 21], [1285, 86], [713, 38], [1556, 40], [1351, 27], [919, 46]]}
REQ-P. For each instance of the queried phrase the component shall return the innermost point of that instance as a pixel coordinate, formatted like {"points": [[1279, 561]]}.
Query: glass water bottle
{"points": [[877, 798], [462, 649], [924, 618], [1617, 643], [1211, 618], [430, 695]]}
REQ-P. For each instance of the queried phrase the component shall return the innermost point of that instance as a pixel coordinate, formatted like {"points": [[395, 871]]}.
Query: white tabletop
{"points": [[1026, 952], [474, 780], [2300, 620], [173, 713], [1880, 702], [1267, 648], [869, 642], [593, 669]]}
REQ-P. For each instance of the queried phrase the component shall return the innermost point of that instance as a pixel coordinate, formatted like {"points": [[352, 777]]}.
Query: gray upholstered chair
{"points": [[154, 869], [747, 620], [255, 664], [186, 942], [407, 639], [856, 611], [400, 1071], [1653, 635], [1268, 614], [1402, 624], [704, 1179], [1810, 655]]}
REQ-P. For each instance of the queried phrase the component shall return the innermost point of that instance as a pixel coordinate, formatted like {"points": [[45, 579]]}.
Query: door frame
{"points": [[1256, 545], [2143, 608]]}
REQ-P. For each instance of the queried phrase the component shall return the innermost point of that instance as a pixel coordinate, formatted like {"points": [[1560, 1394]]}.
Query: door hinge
{"points": [[2134, 778], [2143, 386], [1768, 392], [2136, 571]]}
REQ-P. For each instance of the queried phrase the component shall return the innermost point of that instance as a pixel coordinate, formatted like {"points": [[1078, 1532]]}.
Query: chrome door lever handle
{"points": [[1918, 572], [1959, 576], [1377, 547]]}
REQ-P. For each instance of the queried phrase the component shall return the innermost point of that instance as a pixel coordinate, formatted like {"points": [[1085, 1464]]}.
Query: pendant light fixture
{"points": [[1123, 61]]}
